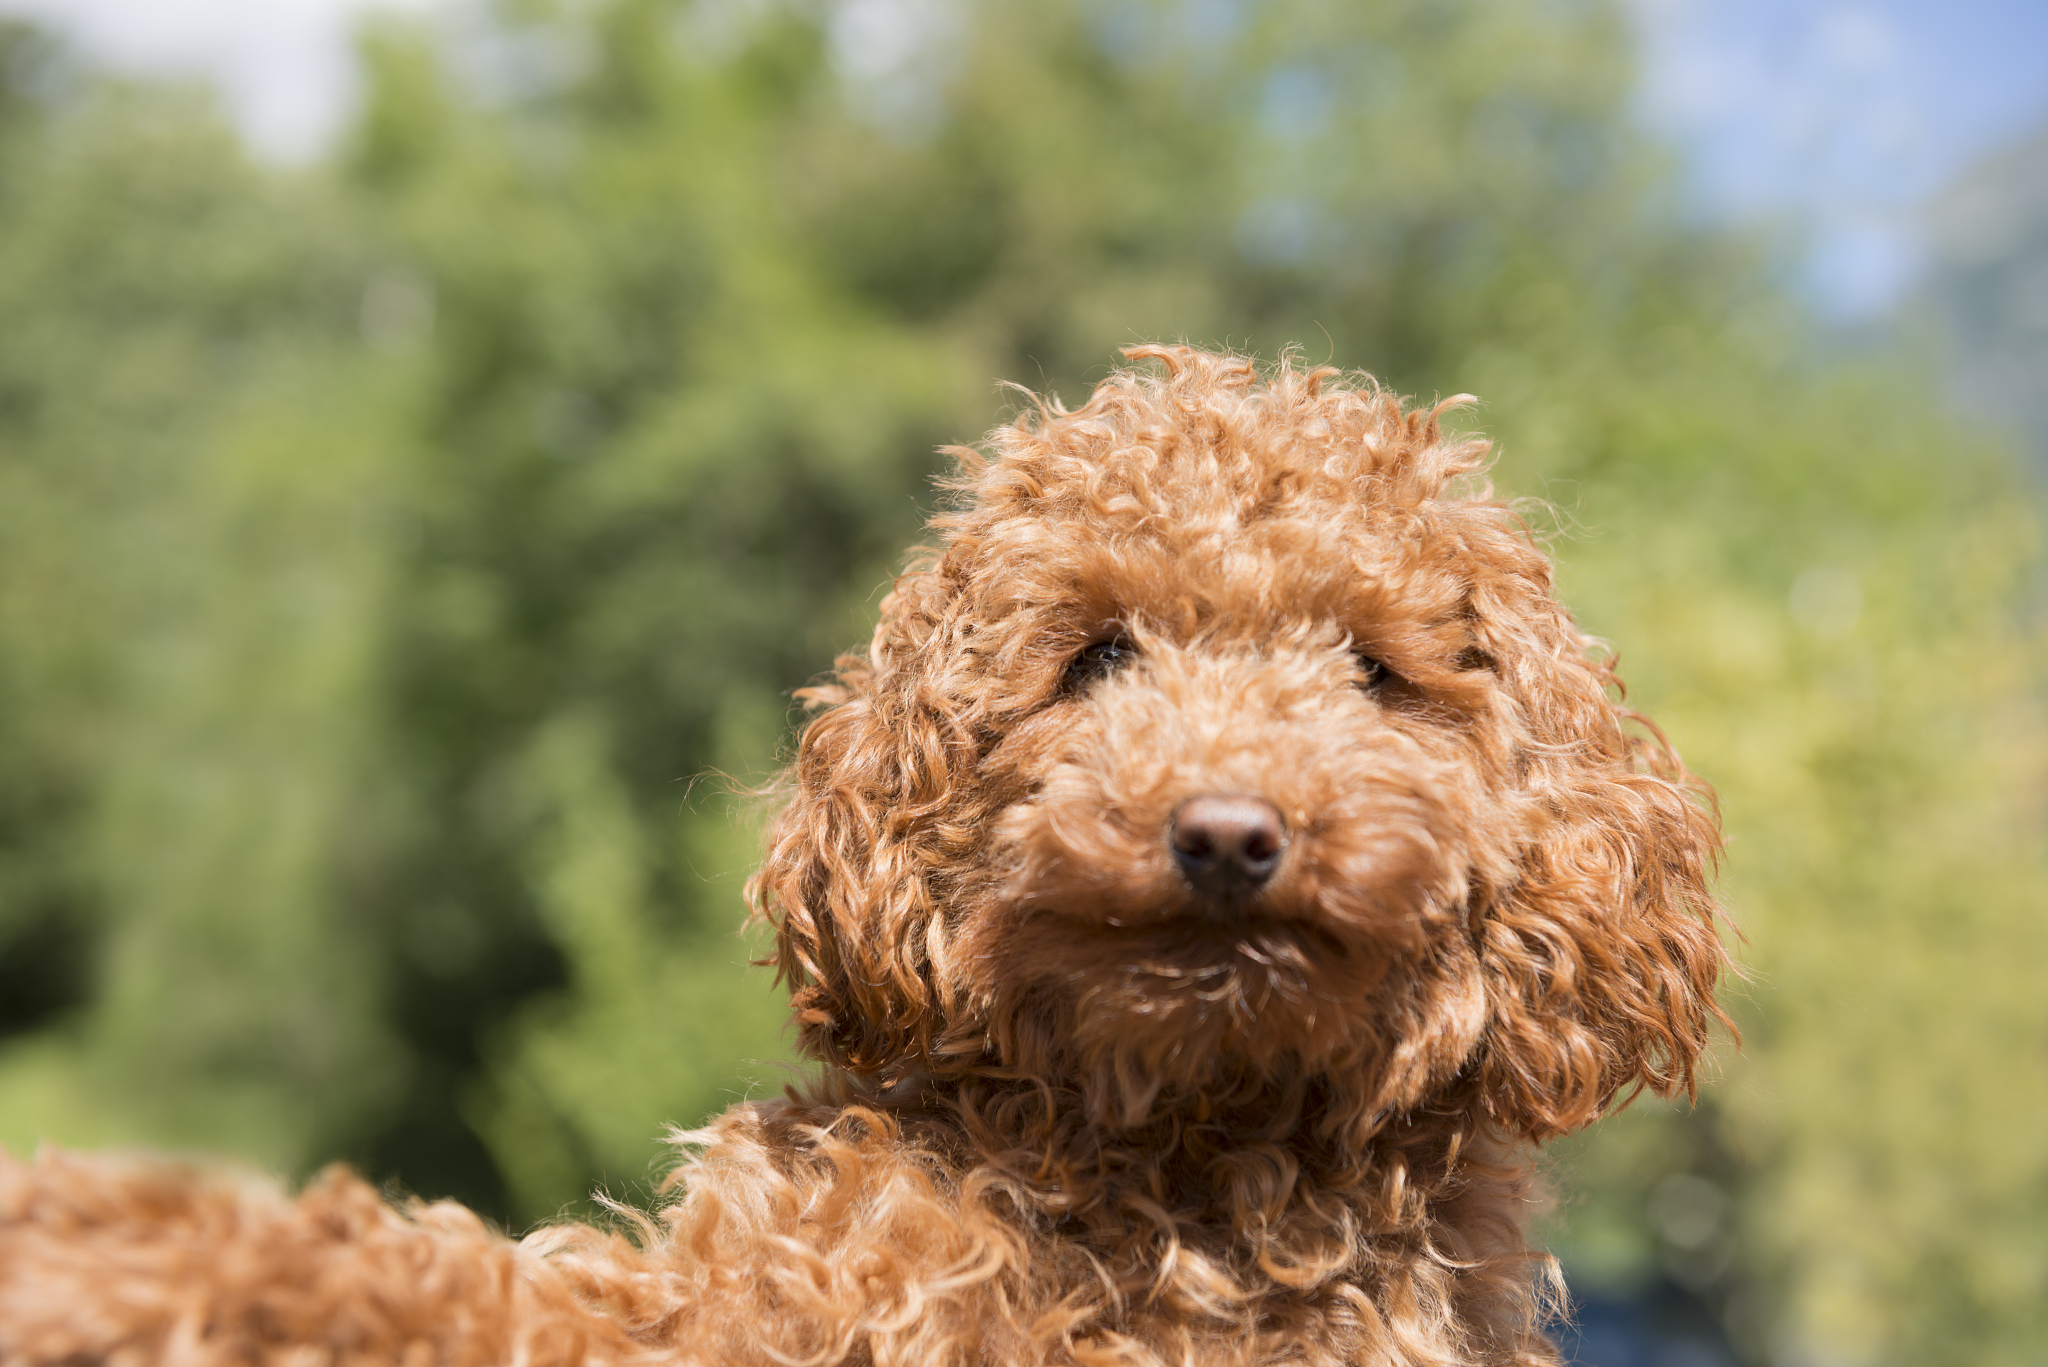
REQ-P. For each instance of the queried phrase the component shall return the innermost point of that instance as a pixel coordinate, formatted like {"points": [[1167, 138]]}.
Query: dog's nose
{"points": [[1227, 845]]}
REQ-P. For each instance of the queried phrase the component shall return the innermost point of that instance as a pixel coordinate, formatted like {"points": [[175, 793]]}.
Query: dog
{"points": [[1225, 866]]}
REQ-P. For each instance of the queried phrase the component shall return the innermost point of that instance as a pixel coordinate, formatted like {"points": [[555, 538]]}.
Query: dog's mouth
{"points": [[1185, 995], [1242, 939]]}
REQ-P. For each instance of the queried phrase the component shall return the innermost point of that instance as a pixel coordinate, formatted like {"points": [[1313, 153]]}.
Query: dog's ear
{"points": [[1602, 957], [846, 881]]}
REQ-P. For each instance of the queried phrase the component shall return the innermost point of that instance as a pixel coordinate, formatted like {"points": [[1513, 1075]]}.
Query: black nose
{"points": [[1227, 845]]}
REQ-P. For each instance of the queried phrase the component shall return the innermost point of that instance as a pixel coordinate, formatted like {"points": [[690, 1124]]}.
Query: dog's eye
{"points": [[1097, 661], [1371, 673]]}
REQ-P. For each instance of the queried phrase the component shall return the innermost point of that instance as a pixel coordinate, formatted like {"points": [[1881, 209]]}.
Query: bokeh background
{"points": [[425, 473]]}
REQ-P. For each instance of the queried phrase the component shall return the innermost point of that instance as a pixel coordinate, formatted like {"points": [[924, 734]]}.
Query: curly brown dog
{"points": [[1227, 862]]}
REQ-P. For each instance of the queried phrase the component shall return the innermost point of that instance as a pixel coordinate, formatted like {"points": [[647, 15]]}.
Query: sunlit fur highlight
{"points": [[1068, 1112]]}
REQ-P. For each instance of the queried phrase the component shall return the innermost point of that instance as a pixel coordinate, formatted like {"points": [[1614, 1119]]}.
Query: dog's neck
{"points": [[1282, 1150]]}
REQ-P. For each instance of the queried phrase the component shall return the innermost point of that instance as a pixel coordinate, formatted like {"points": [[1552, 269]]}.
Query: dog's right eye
{"points": [[1097, 661]]}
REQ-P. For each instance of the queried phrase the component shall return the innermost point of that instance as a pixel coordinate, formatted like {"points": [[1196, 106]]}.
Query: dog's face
{"points": [[1222, 746]]}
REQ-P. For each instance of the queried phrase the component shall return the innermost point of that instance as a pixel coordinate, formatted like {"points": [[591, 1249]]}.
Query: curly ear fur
{"points": [[1601, 959], [875, 808]]}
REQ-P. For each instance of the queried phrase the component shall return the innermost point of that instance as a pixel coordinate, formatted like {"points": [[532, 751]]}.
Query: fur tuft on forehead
{"points": [[1211, 433], [1203, 492]]}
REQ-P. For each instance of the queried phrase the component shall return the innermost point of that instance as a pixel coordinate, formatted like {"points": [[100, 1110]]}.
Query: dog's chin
{"points": [[1267, 956], [1189, 995], [1238, 982]]}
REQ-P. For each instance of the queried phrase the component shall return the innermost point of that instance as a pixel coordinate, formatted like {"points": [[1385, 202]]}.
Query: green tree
{"points": [[182, 628]]}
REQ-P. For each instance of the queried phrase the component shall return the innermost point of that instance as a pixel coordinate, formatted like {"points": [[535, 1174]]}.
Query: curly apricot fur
{"points": [[1074, 1109]]}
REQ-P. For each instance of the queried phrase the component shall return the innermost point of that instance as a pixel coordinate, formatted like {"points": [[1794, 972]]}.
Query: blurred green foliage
{"points": [[405, 563]]}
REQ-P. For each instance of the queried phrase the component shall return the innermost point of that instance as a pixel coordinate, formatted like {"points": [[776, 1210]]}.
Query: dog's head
{"points": [[1224, 741]]}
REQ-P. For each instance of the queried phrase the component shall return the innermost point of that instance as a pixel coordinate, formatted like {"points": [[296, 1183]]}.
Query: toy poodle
{"points": [[1223, 868]]}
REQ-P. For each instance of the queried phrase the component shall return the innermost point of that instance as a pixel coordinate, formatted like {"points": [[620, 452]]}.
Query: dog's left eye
{"points": [[1097, 661], [1371, 672]]}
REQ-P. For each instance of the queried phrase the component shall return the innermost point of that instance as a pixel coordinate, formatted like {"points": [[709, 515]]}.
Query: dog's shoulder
{"points": [[811, 1226]]}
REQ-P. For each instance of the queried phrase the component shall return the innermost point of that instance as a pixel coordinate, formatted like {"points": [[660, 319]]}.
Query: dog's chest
{"points": [[834, 1238]]}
